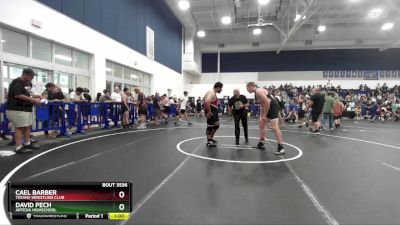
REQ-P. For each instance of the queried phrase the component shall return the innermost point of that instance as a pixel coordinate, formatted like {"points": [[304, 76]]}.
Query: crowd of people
{"points": [[301, 105], [381, 103]]}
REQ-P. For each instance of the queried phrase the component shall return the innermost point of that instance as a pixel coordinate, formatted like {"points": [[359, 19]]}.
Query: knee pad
{"points": [[209, 130], [216, 127]]}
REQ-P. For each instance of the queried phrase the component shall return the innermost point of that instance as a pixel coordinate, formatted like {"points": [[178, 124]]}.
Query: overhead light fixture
{"points": [[297, 17], [387, 26], [257, 31], [133, 76], [63, 57], [184, 5], [321, 28], [108, 69], [354, 0], [263, 2], [375, 13], [201, 33], [226, 20], [3, 41], [304, 17]]}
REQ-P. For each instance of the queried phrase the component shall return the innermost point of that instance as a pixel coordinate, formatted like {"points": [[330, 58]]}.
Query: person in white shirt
{"points": [[182, 113], [116, 96], [77, 95]]}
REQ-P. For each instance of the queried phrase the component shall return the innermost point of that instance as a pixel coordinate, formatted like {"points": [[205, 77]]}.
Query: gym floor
{"points": [[345, 176]]}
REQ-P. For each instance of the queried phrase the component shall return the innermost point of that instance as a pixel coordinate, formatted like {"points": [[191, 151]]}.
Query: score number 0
{"points": [[121, 194]]}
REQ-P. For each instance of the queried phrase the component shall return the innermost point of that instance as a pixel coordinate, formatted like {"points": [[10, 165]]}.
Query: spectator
{"points": [[328, 110], [142, 105], [105, 97], [116, 96], [98, 97], [19, 110], [77, 96], [86, 95], [48, 95]]}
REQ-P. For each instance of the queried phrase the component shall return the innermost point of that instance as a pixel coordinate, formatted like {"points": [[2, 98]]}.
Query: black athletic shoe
{"points": [[300, 126], [214, 141], [280, 150], [261, 145], [237, 141], [210, 144], [34, 141], [307, 124], [247, 139], [23, 150], [32, 146]]}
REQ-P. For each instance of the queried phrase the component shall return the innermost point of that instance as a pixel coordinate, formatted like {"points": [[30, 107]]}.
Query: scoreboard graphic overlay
{"points": [[94, 200]]}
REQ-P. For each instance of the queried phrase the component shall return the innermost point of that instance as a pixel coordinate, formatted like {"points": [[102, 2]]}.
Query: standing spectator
{"points": [[328, 110], [157, 109], [338, 111], [105, 97], [54, 93], [199, 107], [316, 103], [116, 96], [77, 96], [19, 110], [165, 103], [87, 95], [98, 97], [125, 109], [142, 105]]}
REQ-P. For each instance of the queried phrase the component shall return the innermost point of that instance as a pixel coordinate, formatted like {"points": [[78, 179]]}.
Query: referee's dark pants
{"points": [[241, 116]]}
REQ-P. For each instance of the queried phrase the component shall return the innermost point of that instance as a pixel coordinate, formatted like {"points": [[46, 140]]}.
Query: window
{"points": [[109, 68], [42, 76], [146, 80], [133, 75], [140, 78], [127, 73], [81, 60], [109, 85], [41, 50], [82, 81], [63, 80], [62, 56], [118, 71], [14, 42], [15, 72]]}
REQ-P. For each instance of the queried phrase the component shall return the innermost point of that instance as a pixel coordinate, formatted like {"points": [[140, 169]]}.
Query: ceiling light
{"points": [[263, 2], [304, 17], [375, 13], [297, 17], [226, 20], [201, 33], [354, 0], [387, 26], [257, 31], [321, 28], [63, 57], [3, 41], [108, 69], [184, 5], [133, 76]]}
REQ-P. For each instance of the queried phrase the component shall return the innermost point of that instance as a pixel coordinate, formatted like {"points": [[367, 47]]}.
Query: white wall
{"points": [[62, 29], [239, 80]]}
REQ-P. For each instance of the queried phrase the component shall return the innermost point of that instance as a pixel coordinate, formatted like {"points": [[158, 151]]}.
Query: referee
{"points": [[238, 105]]}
